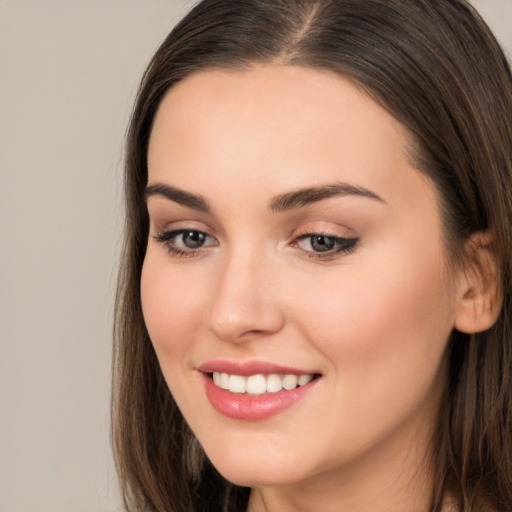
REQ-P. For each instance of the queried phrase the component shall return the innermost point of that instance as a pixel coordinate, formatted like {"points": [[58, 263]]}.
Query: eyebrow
{"points": [[306, 196], [178, 196], [283, 202]]}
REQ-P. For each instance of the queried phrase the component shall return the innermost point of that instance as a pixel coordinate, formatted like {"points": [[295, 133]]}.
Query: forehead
{"points": [[284, 126], [274, 95]]}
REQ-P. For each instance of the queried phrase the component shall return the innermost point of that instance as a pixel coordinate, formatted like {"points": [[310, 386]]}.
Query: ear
{"points": [[480, 295]]}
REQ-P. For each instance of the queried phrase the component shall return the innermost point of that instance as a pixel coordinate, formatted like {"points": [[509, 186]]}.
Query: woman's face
{"points": [[293, 242]]}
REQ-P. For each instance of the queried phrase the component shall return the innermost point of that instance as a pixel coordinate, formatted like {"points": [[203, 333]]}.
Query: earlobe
{"points": [[481, 294]]}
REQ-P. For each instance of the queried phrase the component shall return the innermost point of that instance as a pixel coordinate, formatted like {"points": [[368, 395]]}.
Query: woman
{"points": [[314, 307]]}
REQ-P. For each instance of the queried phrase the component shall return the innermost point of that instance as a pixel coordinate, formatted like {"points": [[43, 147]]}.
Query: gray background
{"points": [[68, 73]]}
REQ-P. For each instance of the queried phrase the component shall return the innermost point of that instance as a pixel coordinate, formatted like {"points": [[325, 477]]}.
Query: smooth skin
{"points": [[371, 315]]}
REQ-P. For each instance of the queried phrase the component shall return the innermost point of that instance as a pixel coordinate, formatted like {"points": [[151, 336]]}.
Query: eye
{"points": [[185, 242], [319, 245], [192, 239]]}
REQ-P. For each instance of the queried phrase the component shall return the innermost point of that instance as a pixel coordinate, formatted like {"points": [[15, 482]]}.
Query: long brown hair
{"points": [[436, 67]]}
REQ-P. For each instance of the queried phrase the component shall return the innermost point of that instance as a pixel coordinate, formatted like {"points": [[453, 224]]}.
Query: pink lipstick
{"points": [[254, 390]]}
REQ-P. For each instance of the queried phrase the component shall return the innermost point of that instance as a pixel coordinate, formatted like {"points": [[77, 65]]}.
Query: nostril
{"points": [[250, 321], [242, 308]]}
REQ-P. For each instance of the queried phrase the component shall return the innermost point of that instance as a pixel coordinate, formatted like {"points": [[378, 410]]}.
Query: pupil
{"points": [[322, 243], [193, 239]]}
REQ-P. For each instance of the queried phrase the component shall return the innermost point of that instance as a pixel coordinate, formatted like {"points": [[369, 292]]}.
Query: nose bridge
{"points": [[243, 304]]}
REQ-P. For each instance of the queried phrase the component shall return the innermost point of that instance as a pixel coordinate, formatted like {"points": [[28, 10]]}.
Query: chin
{"points": [[249, 470], [254, 477]]}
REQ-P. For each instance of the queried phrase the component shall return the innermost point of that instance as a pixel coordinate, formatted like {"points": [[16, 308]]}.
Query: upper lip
{"points": [[251, 368]]}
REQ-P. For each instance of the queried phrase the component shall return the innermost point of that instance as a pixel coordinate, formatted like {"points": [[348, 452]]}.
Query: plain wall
{"points": [[68, 74]]}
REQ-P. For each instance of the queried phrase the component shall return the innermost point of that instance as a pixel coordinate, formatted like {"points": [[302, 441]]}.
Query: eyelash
{"points": [[342, 245], [167, 238]]}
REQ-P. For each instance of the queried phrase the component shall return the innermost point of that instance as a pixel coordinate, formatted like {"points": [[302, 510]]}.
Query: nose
{"points": [[245, 305]]}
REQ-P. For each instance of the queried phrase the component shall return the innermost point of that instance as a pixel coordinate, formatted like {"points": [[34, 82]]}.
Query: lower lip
{"points": [[253, 407]]}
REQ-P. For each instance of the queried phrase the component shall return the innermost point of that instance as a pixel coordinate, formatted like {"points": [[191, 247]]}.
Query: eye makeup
{"points": [[185, 243], [324, 245], [189, 242]]}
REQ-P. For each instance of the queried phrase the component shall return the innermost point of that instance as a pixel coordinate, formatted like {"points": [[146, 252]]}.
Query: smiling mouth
{"points": [[260, 384]]}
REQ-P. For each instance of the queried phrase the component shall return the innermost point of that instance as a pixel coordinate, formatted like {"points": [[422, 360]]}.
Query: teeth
{"points": [[259, 384], [274, 383], [256, 385], [304, 379], [224, 381], [237, 384], [290, 382]]}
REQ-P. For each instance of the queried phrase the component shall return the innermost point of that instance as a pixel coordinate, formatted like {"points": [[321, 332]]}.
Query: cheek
{"points": [[394, 311], [171, 304], [384, 333]]}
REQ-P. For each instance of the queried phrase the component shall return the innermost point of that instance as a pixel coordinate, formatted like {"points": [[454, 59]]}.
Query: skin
{"points": [[373, 321]]}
